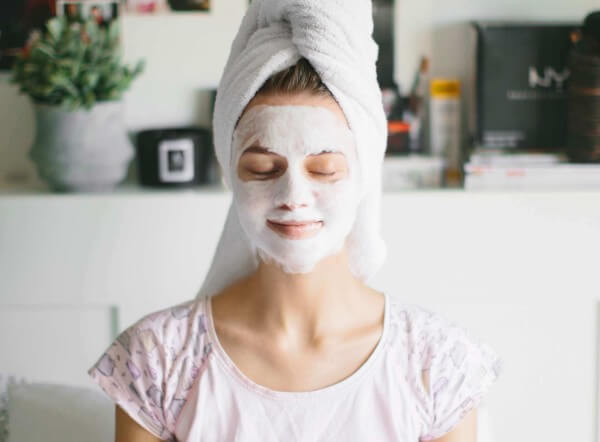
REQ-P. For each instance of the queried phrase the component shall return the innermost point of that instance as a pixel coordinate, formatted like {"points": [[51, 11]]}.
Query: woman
{"points": [[288, 341]]}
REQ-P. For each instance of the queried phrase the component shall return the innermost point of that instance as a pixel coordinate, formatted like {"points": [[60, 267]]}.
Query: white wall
{"points": [[187, 52]]}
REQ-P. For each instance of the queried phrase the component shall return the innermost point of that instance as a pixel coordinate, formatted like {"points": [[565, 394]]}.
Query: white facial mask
{"points": [[294, 132]]}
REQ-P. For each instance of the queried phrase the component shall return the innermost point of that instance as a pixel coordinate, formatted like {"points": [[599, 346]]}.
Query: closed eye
{"points": [[270, 172], [256, 163], [326, 165]]}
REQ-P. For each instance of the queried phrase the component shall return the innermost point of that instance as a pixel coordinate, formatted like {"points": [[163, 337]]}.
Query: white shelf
{"points": [[133, 189]]}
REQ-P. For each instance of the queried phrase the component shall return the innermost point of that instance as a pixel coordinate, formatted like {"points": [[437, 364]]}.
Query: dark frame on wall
{"points": [[190, 5], [18, 18], [383, 34]]}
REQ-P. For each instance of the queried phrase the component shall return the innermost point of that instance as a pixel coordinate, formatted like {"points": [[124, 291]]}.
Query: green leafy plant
{"points": [[73, 64]]}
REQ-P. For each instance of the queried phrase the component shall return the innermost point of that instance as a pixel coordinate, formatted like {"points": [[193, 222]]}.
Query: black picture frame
{"points": [[18, 18], [190, 5]]}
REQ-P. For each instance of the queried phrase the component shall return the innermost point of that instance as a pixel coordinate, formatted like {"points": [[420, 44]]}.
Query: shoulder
{"points": [[420, 329], [448, 369], [430, 333], [432, 337], [150, 368], [172, 330]]}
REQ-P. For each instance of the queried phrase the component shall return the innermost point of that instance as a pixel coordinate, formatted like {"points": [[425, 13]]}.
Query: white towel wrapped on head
{"points": [[335, 36]]}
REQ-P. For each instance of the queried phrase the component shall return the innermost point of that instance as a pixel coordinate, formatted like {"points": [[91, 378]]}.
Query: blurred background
{"points": [[111, 203]]}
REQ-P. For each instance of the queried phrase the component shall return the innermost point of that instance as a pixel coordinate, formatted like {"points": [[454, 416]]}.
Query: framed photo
{"points": [[160, 6], [176, 160], [189, 5], [104, 11]]}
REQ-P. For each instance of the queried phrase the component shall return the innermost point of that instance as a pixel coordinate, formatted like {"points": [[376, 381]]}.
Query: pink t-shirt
{"points": [[169, 372]]}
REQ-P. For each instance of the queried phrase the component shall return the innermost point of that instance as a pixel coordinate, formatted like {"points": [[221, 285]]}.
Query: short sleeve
{"points": [[456, 370], [149, 368]]}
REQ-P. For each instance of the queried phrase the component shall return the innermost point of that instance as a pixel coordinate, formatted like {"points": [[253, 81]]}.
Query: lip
{"points": [[296, 229]]}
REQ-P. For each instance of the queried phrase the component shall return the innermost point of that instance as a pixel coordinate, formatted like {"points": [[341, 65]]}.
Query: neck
{"points": [[305, 307]]}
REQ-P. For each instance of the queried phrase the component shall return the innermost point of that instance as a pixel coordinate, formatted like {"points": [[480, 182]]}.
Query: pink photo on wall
{"points": [[154, 6]]}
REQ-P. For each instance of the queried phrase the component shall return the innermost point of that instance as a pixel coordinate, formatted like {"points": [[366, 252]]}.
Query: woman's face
{"points": [[295, 178]]}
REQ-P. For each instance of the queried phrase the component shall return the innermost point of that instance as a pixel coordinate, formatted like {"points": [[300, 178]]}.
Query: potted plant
{"points": [[73, 74]]}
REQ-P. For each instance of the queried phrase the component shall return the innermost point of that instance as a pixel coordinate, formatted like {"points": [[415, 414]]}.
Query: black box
{"points": [[522, 78], [174, 157]]}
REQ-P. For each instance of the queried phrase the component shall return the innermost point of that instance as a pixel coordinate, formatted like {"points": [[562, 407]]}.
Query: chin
{"points": [[286, 264], [287, 259]]}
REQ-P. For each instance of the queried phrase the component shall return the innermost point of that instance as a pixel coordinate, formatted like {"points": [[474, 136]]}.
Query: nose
{"points": [[291, 207], [295, 192]]}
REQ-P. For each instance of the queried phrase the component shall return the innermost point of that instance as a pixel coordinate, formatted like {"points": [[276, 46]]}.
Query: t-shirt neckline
{"points": [[332, 389]]}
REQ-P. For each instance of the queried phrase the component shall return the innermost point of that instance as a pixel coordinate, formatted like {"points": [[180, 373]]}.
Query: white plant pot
{"points": [[81, 150]]}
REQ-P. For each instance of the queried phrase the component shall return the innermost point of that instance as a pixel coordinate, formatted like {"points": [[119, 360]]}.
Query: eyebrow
{"points": [[257, 149], [260, 149]]}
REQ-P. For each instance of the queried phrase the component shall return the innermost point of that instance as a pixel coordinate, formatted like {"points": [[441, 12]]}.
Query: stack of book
{"points": [[528, 171], [413, 171]]}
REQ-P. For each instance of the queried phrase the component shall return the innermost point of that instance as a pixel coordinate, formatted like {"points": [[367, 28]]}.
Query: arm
{"points": [[465, 431], [128, 430]]}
